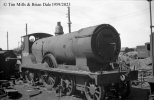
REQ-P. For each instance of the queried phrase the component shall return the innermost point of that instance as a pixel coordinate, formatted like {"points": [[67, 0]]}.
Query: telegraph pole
{"points": [[152, 37], [69, 21], [7, 41], [26, 29], [151, 26]]}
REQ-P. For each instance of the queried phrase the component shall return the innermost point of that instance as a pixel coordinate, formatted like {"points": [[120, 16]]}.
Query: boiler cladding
{"points": [[99, 43]]}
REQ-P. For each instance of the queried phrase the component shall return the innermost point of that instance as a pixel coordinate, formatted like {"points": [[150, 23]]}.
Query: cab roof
{"points": [[38, 35]]}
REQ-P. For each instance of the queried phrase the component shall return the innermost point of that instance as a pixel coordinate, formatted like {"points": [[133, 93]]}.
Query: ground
{"points": [[28, 92]]}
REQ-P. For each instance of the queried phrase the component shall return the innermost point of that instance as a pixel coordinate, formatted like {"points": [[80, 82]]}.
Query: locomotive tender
{"points": [[81, 60]]}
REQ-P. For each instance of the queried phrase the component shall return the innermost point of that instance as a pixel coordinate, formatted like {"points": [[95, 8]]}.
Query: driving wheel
{"points": [[94, 92], [51, 81], [29, 76], [68, 85]]}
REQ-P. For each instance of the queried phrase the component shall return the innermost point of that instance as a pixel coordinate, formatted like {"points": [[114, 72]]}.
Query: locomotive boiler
{"points": [[87, 47], [81, 60]]}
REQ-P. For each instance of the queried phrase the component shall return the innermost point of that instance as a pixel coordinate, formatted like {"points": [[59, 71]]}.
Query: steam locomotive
{"points": [[7, 64], [82, 60]]}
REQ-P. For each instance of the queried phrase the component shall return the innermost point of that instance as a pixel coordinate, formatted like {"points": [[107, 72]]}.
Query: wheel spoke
{"points": [[70, 86], [97, 92], [88, 87], [51, 81], [42, 79], [93, 97], [97, 96], [68, 89]]}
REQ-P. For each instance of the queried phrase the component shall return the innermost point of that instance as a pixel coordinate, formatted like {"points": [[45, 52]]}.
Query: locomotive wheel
{"points": [[51, 81], [50, 60], [29, 76], [40, 78], [94, 92], [68, 85], [124, 89]]}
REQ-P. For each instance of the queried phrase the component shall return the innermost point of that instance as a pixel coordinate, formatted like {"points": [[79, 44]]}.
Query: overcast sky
{"points": [[129, 17]]}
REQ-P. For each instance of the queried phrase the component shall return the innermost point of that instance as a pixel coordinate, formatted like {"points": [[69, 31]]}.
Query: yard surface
{"points": [[28, 92]]}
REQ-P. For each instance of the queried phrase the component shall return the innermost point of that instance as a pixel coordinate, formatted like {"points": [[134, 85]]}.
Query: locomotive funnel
{"points": [[59, 29]]}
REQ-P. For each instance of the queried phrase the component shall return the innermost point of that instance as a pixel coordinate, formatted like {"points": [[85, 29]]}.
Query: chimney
{"points": [[59, 29]]}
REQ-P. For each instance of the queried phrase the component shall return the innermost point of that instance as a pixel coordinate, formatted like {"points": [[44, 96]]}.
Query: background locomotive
{"points": [[7, 64], [81, 60]]}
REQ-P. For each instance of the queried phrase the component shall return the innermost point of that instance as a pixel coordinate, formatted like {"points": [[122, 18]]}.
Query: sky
{"points": [[130, 18]]}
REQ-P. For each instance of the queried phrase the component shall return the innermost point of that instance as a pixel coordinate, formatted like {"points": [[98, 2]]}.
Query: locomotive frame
{"points": [[67, 78]]}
